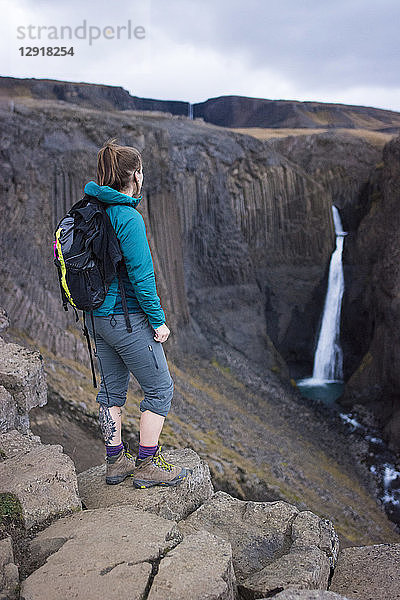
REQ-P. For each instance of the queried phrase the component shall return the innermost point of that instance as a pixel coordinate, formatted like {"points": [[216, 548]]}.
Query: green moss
{"points": [[217, 365], [275, 369], [10, 509]]}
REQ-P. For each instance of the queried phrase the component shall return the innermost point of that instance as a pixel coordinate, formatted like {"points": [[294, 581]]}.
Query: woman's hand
{"points": [[162, 333]]}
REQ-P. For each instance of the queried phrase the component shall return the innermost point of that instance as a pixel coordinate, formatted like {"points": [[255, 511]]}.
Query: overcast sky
{"points": [[344, 51]]}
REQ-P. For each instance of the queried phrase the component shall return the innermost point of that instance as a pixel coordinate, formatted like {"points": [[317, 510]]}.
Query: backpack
{"points": [[88, 256]]}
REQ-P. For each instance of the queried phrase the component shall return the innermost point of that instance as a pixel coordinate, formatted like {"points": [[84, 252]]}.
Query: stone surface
{"points": [[44, 482], [293, 594], [22, 375], [13, 443], [371, 309], [9, 579], [200, 567], [4, 320], [274, 545], [8, 411], [105, 553], [368, 572], [171, 503]]}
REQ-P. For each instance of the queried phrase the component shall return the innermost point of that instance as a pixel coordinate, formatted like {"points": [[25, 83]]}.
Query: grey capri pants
{"points": [[120, 353]]}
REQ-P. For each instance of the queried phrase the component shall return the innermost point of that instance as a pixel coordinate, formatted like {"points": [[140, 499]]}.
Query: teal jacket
{"points": [[140, 286]]}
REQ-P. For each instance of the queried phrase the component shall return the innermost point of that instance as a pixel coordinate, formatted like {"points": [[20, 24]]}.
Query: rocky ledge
{"points": [[63, 536]]}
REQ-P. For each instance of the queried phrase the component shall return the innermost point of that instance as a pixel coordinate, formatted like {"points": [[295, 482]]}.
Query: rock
{"points": [[13, 443], [43, 482], [241, 111], [198, 568], [22, 375], [274, 545], [171, 503], [9, 578], [307, 567], [371, 307], [368, 572], [8, 411], [293, 594], [4, 320], [104, 553]]}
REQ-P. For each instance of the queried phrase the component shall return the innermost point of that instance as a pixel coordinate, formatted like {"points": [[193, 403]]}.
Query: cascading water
{"points": [[326, 382], [328, 360], [327, 385]]}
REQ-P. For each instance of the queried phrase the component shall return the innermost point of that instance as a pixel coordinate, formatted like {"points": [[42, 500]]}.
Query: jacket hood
{"points": [[108, 195]]}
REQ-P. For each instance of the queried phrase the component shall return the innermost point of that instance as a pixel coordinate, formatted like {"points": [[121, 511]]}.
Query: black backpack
{"points": [[88, 256]]}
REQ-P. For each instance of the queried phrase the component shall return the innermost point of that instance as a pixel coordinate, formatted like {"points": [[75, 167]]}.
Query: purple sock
{"points": [[145, 451], [114, 450]]}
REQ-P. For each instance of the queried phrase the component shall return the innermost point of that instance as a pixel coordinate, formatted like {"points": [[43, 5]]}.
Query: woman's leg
{"points": [[110, 424], [151, 426], [113, 386]]}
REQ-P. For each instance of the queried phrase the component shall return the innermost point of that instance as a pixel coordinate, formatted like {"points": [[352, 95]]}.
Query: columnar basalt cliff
{"points": [[230, 222], [372, 310]]}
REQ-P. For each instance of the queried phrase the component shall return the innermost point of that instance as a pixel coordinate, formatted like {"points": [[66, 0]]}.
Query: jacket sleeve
{"points": [[131, 232]]}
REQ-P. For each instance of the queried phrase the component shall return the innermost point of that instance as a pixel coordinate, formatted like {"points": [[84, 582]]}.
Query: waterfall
{"points": [[190, 111], [328, 361]]}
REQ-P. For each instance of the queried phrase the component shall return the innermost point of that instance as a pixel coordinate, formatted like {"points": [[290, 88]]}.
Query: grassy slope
{"points": [[376, 138]]}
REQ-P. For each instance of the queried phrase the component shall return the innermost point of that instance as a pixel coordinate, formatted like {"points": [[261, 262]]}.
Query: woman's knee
{"points": [[111, 397], [158, 401]]}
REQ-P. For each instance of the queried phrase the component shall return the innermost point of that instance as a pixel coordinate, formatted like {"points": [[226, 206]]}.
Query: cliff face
{"points": [[240, 111], [231, 225], [227, 111], [89, 95], [372, 301]]}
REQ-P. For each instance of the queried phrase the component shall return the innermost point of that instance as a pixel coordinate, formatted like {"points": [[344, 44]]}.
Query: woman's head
{"points": [[120, 167]]}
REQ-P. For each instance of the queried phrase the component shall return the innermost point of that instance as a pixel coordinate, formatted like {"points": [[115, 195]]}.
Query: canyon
{"points": [[241, 233]]}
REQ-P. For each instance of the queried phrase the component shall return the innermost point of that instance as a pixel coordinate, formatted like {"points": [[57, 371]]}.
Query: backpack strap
{"points": [[123, 299], [86, 334]]}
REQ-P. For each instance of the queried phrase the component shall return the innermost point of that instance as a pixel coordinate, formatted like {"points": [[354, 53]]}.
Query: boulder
{"points": [[171, 503], [293, 594], [41, 482], [8, 411], [4, 320], [13, 443], [105, 553], [368, 572], [274, 544], [9, 579], [200, 567], [22, 375]]}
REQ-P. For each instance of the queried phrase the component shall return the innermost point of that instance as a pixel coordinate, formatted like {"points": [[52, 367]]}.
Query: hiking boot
{"points": [[120, 467], [155, 470]]}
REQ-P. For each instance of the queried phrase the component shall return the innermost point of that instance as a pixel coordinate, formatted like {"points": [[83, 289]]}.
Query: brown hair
{"points": [[117, 164]]}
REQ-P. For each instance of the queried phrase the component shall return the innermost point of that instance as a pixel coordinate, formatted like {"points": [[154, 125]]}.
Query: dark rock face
{"points": [[342, 164], [240, 111], [89, 95], [371, 302]]}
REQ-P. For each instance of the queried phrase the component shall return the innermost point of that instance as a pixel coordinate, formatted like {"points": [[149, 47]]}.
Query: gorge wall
{"points": [[231, 224], [372, 307]]}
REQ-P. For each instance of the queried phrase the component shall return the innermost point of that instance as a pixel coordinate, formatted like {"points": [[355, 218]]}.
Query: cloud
{"points": [[342, 51]]}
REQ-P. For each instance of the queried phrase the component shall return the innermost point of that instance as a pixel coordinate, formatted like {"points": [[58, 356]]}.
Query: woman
{"points": [[119, 353]]}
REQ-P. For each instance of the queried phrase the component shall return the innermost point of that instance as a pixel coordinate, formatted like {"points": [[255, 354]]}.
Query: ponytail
{"points": [[116, 164]]}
